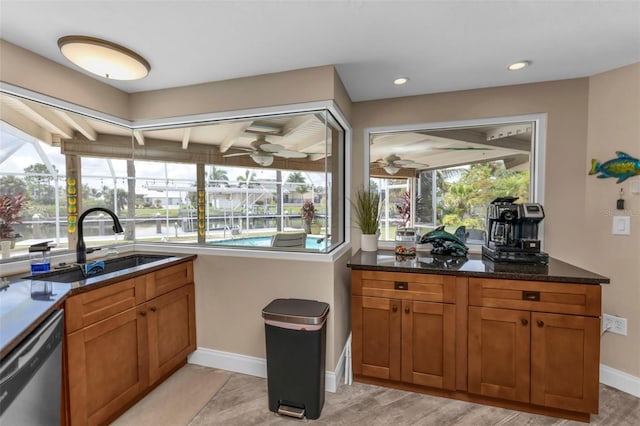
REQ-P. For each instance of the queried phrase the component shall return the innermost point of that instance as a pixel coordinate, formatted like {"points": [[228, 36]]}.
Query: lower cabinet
{"points": [[113, 362], [105, 367], [171, 330], [519, 344], [401, 339], [536, 343], [546, 359]]}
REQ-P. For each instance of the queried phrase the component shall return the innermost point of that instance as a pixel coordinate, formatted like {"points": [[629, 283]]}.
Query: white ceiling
{"points": [[440, 45]]}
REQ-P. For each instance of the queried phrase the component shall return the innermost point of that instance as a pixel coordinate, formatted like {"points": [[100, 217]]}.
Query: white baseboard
{"points": [[254, 366], [620, 380]]}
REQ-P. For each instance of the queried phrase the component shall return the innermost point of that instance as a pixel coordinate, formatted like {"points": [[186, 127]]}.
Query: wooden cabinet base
{"points": [[467, 397]]}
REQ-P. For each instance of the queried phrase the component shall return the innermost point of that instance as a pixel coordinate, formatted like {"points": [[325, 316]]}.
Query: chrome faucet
{"points": [[81, 250]]}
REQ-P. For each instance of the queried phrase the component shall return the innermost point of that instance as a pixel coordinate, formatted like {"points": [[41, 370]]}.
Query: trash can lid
{"points": [[297, 311]]}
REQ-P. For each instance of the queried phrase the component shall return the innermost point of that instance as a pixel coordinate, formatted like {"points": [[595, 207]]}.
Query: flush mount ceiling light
{"points": [[103, 58], [400, 81], [392, 170], [518, 65]]}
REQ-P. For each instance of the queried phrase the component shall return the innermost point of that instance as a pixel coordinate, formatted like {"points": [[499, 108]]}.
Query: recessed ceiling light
{"points": [[400, 81], [519, 65], [104, 58]]}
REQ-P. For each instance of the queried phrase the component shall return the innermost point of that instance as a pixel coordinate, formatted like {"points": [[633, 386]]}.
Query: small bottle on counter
{"points": [[40, 258]]}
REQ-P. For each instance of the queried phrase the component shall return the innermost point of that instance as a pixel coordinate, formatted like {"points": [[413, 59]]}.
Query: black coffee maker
{"points": [[512, 231]]}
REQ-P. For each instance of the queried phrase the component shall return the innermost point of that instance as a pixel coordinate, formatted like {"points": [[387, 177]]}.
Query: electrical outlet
{"points": [[614, 324]]}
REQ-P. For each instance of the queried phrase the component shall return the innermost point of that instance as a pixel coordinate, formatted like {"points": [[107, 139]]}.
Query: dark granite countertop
{"points": [[474, 265], [25, 303], [23, 307]]}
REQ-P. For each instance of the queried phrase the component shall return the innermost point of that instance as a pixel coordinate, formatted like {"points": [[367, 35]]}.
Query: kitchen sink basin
{"points": [[73, 272]]}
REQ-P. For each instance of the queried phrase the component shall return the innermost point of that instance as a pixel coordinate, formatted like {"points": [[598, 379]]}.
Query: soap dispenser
{"points": [[40, 257]]}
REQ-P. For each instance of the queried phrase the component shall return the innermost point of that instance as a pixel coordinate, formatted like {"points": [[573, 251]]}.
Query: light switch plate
{"points": [[621, 225], [634, 187]]}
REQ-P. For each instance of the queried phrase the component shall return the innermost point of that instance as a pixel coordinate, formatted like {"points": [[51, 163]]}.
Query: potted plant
{"points": [[366, 209], [308, 212], [10, 207]]}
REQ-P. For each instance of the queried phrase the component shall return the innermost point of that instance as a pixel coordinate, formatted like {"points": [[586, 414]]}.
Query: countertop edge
{"points": [[501, 275], [555, 271]]}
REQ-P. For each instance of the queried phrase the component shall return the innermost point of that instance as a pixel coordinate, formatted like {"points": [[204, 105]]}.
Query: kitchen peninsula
{"points": [[519, 336]]}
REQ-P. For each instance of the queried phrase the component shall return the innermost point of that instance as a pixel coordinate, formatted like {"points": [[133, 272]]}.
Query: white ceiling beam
{"points": [[509, 130], [78, 123], [297, 123], [139, 136], [44, 117], [316, 157], [185, 138], [26, 126], [235, 130], [308, 143]]}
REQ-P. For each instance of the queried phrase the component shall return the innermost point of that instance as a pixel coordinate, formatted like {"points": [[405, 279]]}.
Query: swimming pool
{"points": [[312, 243]]}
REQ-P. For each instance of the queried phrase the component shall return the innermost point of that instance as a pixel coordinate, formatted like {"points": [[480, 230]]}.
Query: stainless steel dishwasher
{"points": [[30, 377]]}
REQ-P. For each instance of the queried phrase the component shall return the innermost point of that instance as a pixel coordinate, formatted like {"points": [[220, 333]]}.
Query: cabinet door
{"points": [[565, 361], [104, 367], [428, 344], [171, 330], [376, 337], [499, 344]]}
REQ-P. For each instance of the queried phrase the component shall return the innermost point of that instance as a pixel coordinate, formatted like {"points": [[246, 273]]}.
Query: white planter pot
{"points": [[369, 242]]}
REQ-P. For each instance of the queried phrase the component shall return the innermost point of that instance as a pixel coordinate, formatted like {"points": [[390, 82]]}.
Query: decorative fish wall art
{"points": [[622, 167]]}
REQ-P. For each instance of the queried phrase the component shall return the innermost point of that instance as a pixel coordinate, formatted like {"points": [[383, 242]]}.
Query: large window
{"points": [[447, 173], [265, 182]]}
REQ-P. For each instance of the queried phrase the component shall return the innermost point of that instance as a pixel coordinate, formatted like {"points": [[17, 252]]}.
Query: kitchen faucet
{"points": [[81, 250]]}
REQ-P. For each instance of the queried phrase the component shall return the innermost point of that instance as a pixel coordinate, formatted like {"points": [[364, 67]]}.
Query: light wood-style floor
{"points": [[243, 401]]}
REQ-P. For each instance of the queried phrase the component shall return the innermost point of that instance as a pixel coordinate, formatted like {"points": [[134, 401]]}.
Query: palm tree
{"points": [[247, 179], [296, 177], [217, 176]]}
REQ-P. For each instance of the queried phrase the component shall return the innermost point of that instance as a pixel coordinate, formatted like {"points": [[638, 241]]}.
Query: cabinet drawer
{"points": [[92, 306], [398, 285], [576, 299], [168, 279]]}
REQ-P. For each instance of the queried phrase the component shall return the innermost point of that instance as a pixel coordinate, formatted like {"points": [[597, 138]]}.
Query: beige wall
{"points": [[27, 70], [232, 291], [614, 125], [291, 87]]}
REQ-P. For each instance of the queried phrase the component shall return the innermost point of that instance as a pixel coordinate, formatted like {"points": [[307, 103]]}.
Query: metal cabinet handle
{"points": [[394, 308], [524, 321], [540, 323], [406, 310], [153, 309], [143, 313]]}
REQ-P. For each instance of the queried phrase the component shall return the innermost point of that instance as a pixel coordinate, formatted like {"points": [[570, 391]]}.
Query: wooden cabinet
{"points": [[526, 345], [544, 352], [121, 342], [402, 330], [104, 371], [171, 330]]}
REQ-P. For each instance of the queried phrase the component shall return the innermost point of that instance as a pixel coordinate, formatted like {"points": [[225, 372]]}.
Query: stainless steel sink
{"points": [[73, 273]]}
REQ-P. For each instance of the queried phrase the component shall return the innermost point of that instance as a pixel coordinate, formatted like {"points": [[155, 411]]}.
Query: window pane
{"points": [[165, 202], [456, 172], [35, 170]]}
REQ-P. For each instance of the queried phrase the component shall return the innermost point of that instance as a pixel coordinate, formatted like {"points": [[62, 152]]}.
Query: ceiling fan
{"points": [[392, 164], [262, 152]]}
